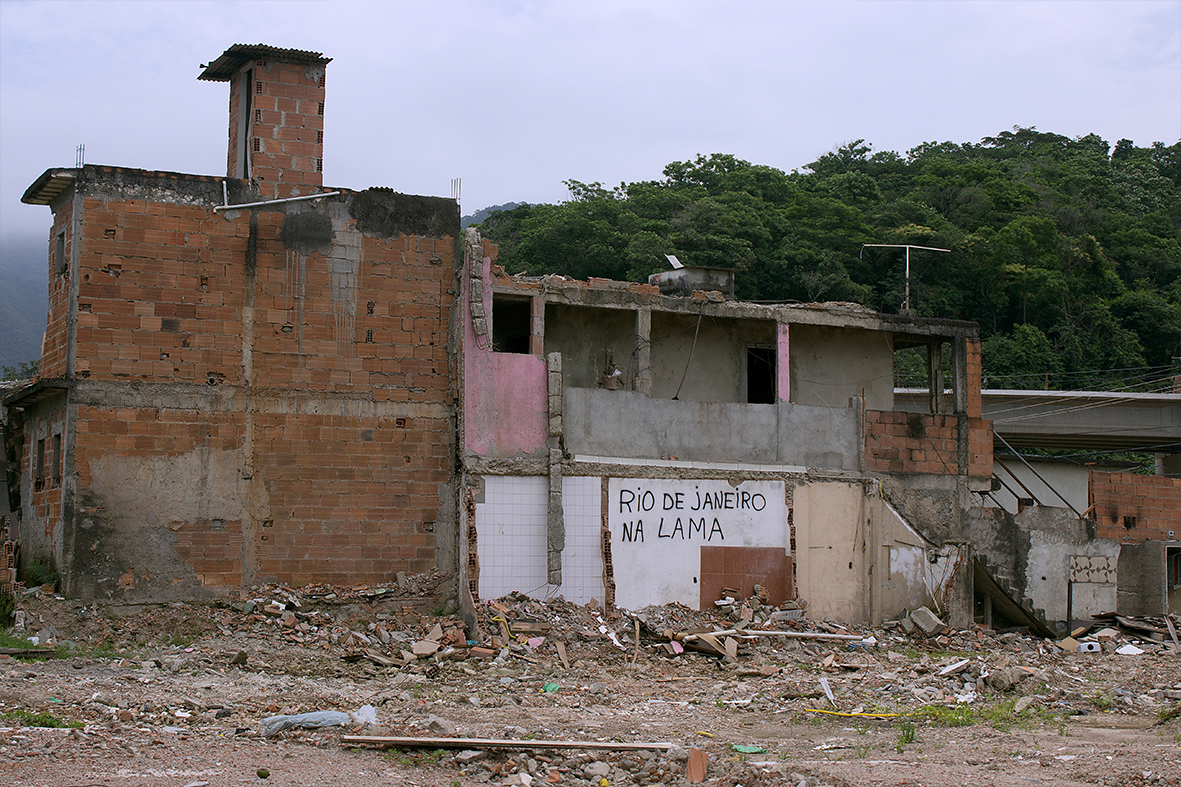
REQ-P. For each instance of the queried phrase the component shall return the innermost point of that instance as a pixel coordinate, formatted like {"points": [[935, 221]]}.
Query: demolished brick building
{"points": [[249, 378], [239, 383]]}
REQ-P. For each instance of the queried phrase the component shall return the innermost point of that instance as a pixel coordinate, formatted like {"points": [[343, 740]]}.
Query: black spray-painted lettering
{"points": [[633, 531], [696, 526]]}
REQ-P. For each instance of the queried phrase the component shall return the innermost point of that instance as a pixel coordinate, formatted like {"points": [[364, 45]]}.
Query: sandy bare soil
{"points": [[155, 699]]}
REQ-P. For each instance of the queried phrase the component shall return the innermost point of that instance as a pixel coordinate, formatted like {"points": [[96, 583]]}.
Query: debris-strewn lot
{"points": [[178, 695]]}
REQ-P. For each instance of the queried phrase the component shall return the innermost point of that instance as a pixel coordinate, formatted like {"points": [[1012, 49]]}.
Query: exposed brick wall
{"points": [[161, 292], [897, 442], [350, 497], [53, 355], [1132, 508], [285, 127], [974, 403]]}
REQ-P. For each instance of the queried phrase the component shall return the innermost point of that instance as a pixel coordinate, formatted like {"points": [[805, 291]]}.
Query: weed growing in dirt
{"points": [[1000, 715], [1102, 700], [8, 640], [28, 719], [943, 716], [905, 736], [1168, 714], [414, 759]]}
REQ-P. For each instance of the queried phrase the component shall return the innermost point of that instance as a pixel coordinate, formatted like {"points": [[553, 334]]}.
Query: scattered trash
{"points": [[321, 718], [744, 749]]}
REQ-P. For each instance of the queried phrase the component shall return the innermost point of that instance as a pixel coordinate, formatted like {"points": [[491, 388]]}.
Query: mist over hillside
{"points": [[24, 299]]}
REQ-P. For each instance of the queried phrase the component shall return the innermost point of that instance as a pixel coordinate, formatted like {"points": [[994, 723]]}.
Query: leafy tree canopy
{"points": [[1067, 252]]}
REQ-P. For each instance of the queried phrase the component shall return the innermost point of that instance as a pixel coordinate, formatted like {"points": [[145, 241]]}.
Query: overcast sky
{"points": [[515, 97]]}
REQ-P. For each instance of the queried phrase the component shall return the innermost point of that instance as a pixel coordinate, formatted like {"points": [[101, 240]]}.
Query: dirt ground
{"points": [[152, 697]]}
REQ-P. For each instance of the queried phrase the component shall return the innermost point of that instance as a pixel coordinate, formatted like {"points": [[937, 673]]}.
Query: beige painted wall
{"points": [[857, 559], [832, 543]]}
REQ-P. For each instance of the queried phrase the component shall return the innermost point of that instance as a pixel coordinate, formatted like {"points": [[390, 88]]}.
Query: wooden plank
{"points": [[1172, 632], [383, 742], [31, 653]]}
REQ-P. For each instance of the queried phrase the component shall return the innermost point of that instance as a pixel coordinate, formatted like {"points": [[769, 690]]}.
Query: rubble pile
{"points": [[375, 665]]}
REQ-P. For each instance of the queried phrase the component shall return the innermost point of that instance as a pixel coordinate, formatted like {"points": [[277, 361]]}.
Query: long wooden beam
{"points": [[383, 742]]}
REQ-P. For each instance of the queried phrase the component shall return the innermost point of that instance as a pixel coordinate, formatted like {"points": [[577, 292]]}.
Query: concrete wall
{"points": [[1040, 552], [586, 337], [659, 526], [714, 370], [829, 366], [630, 425], [858, 559], [832, 550]]}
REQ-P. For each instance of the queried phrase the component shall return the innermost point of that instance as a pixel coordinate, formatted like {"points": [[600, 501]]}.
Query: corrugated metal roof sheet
{"points": [[225, 66]]}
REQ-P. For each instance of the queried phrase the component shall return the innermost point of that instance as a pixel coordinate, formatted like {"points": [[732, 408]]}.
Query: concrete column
{"points": [[537, 325], [555, 522], [643, 379], [959, 371], [935, 374]]}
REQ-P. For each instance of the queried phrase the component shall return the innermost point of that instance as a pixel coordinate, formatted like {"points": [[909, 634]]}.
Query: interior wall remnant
{"points": [[659, 528], [511, 519], [1144, 587], [703, 359], [595, 344], [505, 409], [830, 366]]}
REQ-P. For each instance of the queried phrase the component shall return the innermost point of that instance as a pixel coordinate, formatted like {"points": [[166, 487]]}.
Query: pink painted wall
{"points": [[505, 395], [783, 364]]}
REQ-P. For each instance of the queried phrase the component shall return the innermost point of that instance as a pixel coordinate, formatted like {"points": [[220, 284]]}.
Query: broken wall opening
{"points": [[596, 344], [511, 323], [929, 366]]}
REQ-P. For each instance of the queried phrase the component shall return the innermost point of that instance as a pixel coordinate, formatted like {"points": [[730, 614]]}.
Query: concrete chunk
{"points": [[928, 621]]}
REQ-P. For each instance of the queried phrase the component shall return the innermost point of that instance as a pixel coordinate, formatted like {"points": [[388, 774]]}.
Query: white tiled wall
{"points": [[510, 535], [511, 538], [582, 559]]}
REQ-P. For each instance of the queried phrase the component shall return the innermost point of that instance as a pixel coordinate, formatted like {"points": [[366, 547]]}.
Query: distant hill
{"points": [[24, 299], [479, 216]]}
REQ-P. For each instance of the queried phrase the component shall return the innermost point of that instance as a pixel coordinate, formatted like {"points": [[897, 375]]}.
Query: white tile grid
{"points": [[511, 538], [582, 559], [511, 535]]}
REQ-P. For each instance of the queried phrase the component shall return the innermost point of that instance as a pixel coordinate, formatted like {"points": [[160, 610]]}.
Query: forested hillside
{"points": [[1067, 252]]}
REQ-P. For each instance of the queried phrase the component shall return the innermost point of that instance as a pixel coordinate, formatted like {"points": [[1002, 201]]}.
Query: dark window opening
{"points": [[39, 479], [760, 375], [1174, 569], [511, 318], [57, 460], [59, 254], [1129, 522]]}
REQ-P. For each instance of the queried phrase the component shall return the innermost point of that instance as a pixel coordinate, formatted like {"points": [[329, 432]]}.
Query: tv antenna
{"points": [[908, 247]]}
